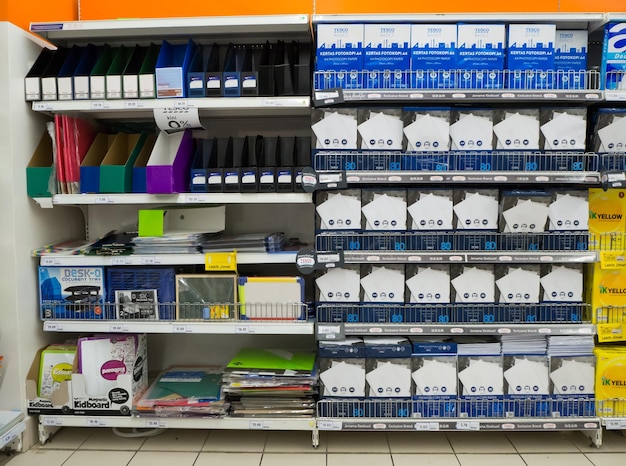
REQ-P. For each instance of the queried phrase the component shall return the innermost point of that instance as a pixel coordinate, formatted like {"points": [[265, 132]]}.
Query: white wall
{"points": [[23, 225]]}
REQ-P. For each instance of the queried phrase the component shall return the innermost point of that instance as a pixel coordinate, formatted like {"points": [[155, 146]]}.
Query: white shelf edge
{"points": [[162, 259], [186, 327], [257, 423], [184, 198], [279, 103], [8, 434]]}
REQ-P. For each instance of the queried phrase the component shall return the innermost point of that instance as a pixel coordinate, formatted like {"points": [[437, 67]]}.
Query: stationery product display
{"points": [[481, 53], [336, 129], [388, 367], [339, 284], [609, 130], [471, 129], [517, 130], [382, 284], [430, 209], [613, 68], [518, 284], [428, 285], [609, 380], [185, 391], [569, 211], [338, 211], [473, 283], [434, 366], [71, 292], [570, 58], [48, 382], [563, 129], [380, 130], [608, 288], [476, 209], [340, 52], [386, 55], [427, 130], [524, 211], [434, 55], [526, 376], [55, 368], [480, 376], [206, 296], [607, 217], [342, 368], [383, 210], [562, 283], [271, 298], [137, 304], [530, 56]]}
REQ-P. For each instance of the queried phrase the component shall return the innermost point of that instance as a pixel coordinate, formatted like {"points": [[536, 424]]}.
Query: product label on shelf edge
{"points": [[611, 332], [220, 262], [613, 259]]}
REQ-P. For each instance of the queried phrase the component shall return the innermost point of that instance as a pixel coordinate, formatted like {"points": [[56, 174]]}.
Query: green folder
{"points": [[264, 359], [186, 382]]}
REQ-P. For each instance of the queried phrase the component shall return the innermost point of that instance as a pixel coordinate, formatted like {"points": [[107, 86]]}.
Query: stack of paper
{"points": [[336, 131], [482, 377], [524, 344], [437, 377], [383, 285], [185, 391], [269, 382], [344, 378], [478, 346], [471, 132], [572, 376], [519, 286], [517, 132], [613, 136], [385, 212], [527, 216], [429, 286], [563, 284], [170, 244], [474, 285], [565, 132], [428, 134], [340, 212], [569, 213], [339, 285], [381, 131], [390, 378], [570, 345], [528, 376], [431, 212], [477, 212]]}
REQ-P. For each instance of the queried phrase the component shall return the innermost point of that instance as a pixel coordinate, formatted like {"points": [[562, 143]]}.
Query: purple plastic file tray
{"points": [[168, 168]]}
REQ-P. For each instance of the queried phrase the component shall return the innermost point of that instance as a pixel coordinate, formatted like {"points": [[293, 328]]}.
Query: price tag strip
{"points": [[221, 262]]}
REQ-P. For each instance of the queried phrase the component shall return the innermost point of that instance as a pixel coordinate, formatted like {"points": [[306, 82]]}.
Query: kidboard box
{"points": [[109, 374], [58, 399]]}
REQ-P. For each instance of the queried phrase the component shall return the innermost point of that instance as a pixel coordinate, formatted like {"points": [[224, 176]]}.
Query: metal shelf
{"points": [[484, 257], [184, 198], [335, 331], [208, 328], [460, 424], [162, 259], [143, 108], [10, 432], [213, 28]]}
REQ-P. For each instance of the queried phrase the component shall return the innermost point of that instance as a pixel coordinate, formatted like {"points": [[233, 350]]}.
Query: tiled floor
{"points": [[102, 447]]}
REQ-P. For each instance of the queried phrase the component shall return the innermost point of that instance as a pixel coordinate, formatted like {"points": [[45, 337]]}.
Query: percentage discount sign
{"points": [[173, 119]]}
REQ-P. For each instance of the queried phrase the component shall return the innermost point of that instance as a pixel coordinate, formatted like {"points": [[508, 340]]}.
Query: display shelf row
{"points": [[11, 429]]}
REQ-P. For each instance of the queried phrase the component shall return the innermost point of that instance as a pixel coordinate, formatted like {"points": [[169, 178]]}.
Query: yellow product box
{"points": [[608, 289], [607, 218], [611, 381]]}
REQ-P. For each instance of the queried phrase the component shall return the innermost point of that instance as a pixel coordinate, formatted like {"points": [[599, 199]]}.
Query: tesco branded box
{"points": [[387, 55], [530, 56], [433, 50], [340, 51], [480, 54]]}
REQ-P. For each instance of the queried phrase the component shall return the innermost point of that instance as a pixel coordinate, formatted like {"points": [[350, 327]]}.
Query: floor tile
{"points": [[357, 442], [69, 438], [556, 459], [607, 459], [490, 460], [100, 458], [480, 442], [419, 442], [106, 439], [230, 459], [293, 441], [355, 459], [423, 459], [237, 441], [42, 457], [612, 441], [176, 440], [291, 459], [542, 442], [163, 458]]}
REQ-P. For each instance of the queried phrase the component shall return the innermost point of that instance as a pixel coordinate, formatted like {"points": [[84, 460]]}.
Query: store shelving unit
{"points": [[11, 430], [275, 114]]}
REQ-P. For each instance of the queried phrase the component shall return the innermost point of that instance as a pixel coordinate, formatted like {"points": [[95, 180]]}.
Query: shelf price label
{"points": [[613, 259], [329, 425], [220, 262], [95, 422], [155, 424], [426, 426], [331, 331], [258, 425], [611, 332], [615, 424], [51, 421], [468, 425]]}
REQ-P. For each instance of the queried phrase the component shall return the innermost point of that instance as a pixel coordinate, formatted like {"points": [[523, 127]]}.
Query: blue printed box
{"points": [[433, 49], [386, 55], [570, 58], [530, 56], [480, 54], [71, 292], [613, 70], [340, 53]]}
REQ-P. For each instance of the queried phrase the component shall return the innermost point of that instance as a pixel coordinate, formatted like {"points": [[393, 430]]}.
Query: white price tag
{"points": [[177, 118], [50, 261], [258, 425], [269, 103], [95, 422], [328, 329], [426, 426], [118, 328], [192, 198], [121, 261], [51, 421], [50, 326], [243, 329], [149, 260], [98, 105], [155, 424], [7, 438], [103, 200], [133, 104], [329, 425], [468, 425], [615, 424], [181, 329]]}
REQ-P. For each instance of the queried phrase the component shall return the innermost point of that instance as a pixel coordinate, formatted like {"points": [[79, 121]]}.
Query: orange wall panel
{"points": [[112, 9], [22, 13], [587, 6], [329, 7]]}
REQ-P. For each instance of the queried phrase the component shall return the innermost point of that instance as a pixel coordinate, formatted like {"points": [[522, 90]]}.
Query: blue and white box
{"points": [[570, 58], [340, 56], [480, 54], [386, 55], [530, 56], [71, 292], [433, 55], [613, 70]]}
